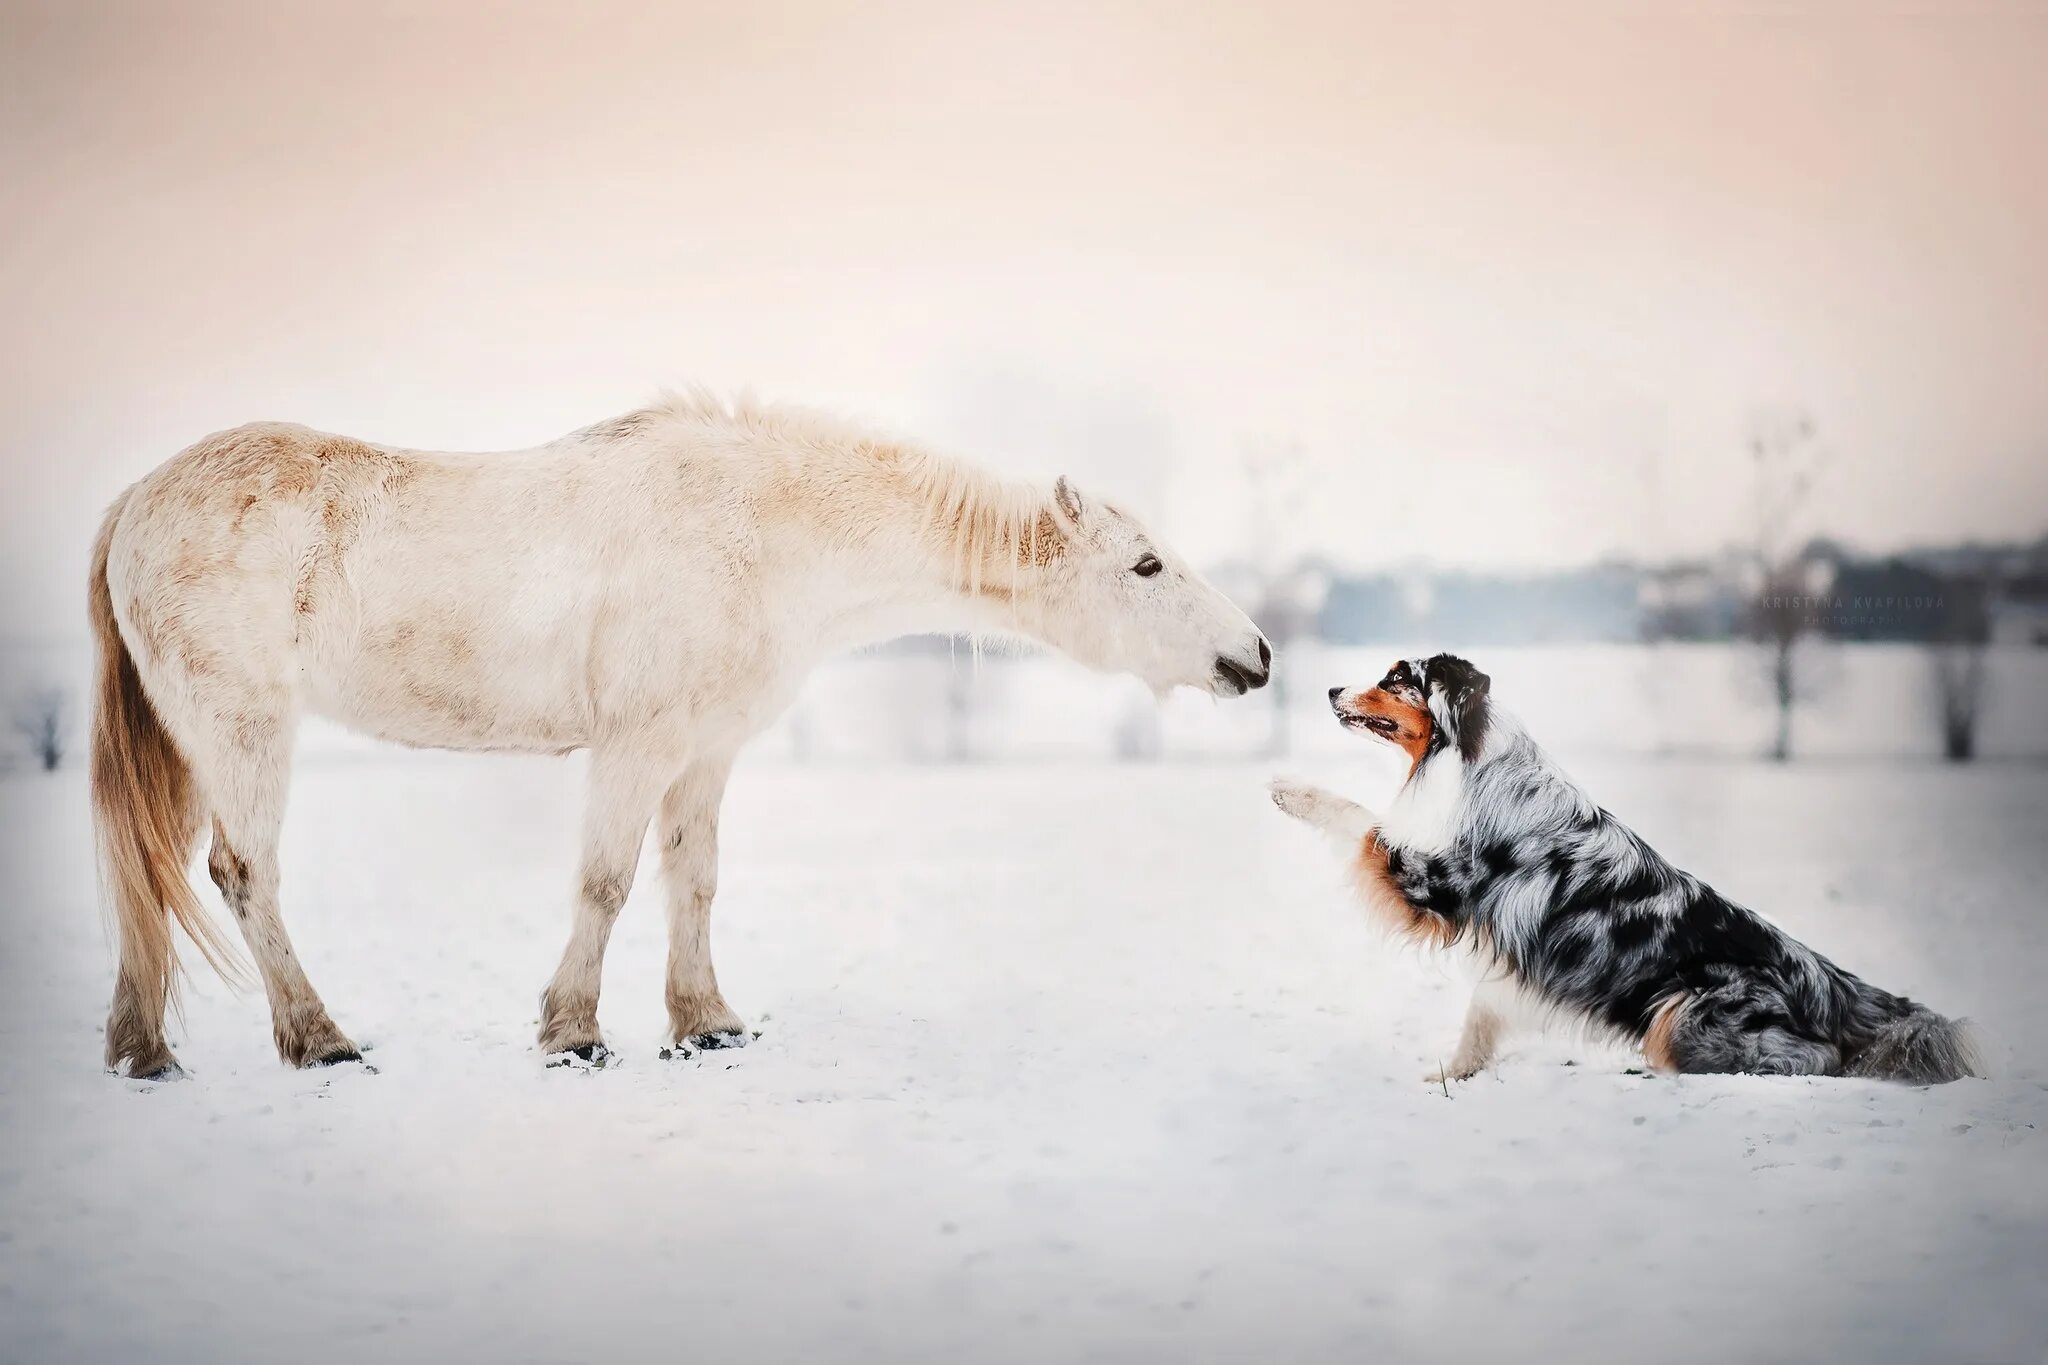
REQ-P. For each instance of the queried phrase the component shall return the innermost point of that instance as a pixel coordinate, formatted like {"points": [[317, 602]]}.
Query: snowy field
{"points": [[1058, 1062]]}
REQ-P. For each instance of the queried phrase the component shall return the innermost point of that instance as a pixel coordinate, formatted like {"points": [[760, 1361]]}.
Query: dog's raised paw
{"points": [[1295, 798]]}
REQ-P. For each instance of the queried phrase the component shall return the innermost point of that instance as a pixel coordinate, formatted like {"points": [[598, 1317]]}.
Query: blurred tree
{"points": [[42, 717], [1287, 589], [1137, 736], [802, 742], [1786, 458], [961, 676], [1958, 662]]}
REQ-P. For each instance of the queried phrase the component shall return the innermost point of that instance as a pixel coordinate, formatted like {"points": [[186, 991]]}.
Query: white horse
{"points": [[653, 589]]}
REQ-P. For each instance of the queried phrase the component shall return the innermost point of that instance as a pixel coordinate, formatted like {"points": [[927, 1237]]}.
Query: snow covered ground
{"points": [[1058, 1062]]}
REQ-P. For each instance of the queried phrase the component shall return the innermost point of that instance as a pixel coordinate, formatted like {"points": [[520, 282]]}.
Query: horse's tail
{"points": [[1918, 1047], [146, 813]]}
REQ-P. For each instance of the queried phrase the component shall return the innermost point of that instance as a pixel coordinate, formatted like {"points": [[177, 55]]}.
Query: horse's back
{"points": [[448, 600], [276, 566]]}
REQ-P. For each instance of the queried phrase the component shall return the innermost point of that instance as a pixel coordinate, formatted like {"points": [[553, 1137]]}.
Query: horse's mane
{"points": [[988, 526]]}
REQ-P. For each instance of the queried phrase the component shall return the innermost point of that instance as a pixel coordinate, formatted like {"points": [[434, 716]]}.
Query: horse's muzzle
{"points": [[1244, 677]]}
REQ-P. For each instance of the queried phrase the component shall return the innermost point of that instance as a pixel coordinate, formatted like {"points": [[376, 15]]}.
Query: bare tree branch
{"points": [[1787, 461], [42, 717]]}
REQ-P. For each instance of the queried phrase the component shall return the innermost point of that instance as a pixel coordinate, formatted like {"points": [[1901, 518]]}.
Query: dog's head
{"points": [[1421, 706]]}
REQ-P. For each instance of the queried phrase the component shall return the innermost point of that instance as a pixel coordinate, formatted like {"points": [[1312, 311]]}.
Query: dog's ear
{"points": [[1458, 699], [1472, 706]]}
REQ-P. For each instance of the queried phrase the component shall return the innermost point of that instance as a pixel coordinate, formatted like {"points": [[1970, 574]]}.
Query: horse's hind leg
{"points": [[142, 988], [247, 769]]}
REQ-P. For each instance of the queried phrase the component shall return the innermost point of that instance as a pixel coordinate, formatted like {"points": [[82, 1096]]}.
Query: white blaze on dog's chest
{"points": [[1425, 815]]}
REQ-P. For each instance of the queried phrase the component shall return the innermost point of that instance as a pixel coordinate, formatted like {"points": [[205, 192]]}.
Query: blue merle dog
{"points": [[1489, 845]]}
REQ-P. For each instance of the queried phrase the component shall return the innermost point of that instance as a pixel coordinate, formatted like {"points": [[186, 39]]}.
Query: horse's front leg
{"points": [[698, 1016], [624, 787]]}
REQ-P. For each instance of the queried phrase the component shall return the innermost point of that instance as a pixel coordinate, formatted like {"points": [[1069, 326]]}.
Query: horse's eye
{"points": [[1147, 566]]}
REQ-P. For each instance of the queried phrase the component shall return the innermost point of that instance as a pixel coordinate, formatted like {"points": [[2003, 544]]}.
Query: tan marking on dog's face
{"points": [[1393, 712], [1657, 1040]]}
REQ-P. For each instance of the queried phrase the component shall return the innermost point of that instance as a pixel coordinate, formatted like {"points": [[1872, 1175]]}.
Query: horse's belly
{"points": [[414, 687], [444, 717]]}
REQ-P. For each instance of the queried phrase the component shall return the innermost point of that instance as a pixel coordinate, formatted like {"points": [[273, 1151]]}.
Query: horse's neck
{"points": [[895, 580], [867, 600]]}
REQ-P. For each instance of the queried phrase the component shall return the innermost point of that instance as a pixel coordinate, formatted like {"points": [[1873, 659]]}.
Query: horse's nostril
{"points": [[1265, 653]]}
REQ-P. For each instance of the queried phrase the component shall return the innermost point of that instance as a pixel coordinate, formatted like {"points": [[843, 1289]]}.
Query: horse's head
{"points": [[1117, 599]]}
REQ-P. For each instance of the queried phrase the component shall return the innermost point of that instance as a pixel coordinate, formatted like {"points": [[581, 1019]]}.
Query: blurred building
{"points": [[2019, 613]]}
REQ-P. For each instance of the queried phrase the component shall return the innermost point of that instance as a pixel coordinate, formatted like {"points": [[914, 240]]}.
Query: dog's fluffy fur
{"points": [[1489, 845]]}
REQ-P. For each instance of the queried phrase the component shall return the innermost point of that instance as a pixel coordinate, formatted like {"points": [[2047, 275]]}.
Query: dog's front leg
{"points": [[1494, 1003], [1345, 821]]}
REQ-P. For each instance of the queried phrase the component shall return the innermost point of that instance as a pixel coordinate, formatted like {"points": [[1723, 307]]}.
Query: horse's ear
{"points": [[1067, 503]]}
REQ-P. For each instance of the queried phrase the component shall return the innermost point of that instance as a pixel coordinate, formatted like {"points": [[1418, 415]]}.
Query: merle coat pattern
{"points": [[1489, 844]]}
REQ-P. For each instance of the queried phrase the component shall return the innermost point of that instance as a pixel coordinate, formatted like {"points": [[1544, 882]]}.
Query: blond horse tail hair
{"points": [[147, 815]]}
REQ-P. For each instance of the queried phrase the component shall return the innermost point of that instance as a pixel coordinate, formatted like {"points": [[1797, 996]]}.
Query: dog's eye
{"points": [[1147, 566]]}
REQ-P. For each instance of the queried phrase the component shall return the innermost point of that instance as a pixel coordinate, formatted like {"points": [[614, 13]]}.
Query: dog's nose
{"points": [[1335, 693]]}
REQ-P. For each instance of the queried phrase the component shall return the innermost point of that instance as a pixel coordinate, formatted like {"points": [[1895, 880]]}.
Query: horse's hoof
{"points": [[706, 1042], [334, 1058], [711, 1042], [169, 1071], [590, 1055]]}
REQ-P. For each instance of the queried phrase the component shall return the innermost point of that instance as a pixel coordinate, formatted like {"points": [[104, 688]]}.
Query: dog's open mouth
{"points": [[1379, 725]]}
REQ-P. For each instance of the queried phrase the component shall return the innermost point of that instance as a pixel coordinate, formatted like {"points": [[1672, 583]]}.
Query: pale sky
{"points": [[1514, 283]]}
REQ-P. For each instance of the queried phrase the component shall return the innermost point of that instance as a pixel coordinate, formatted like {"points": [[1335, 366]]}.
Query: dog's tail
{"points": [[1918, 1047]]}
